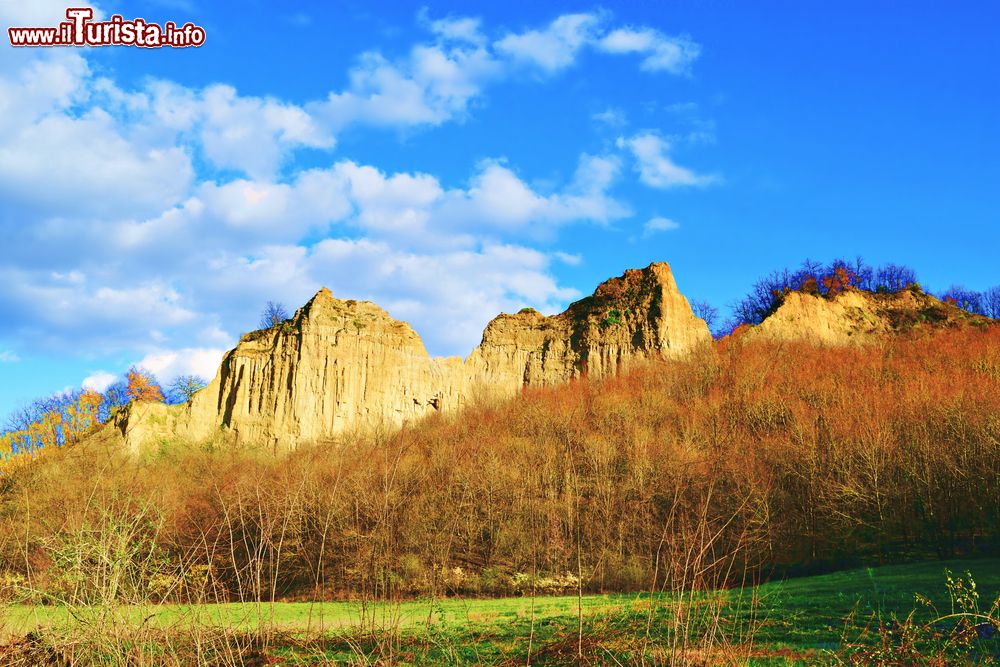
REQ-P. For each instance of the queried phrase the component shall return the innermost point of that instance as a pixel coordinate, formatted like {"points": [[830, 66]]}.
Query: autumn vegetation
{"points": [[69, 417], [800, 458]]}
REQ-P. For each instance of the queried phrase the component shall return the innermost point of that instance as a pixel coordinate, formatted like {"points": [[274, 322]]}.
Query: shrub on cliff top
{"points": [[821, 280]]}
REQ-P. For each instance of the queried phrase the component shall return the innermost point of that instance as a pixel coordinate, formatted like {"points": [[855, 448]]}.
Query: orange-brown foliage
{"points": [[804, 457], [142, 386], [841, 279]]}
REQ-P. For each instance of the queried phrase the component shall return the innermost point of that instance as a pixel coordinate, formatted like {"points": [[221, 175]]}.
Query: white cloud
{"points": [[656, 168], [84, 166], [412, 208], [498, 198], [253, 134], [99, 381], [436, 83], [568, 258], [460, 29], [658, 224], [556, 47], [611, 117], [96, 317], [276, 211], [31, 89], [662, 53], [173, 106], [73, 277], [553, 48], [498, 194], [400, 204], [167, 365], [135, 145], [441, 81], [8, 357]]}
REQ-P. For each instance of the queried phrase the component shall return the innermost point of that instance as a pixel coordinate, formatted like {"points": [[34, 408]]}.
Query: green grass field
{"points": [[796, 621]]}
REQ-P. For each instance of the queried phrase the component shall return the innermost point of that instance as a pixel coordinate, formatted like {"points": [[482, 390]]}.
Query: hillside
{"points": [[812, 457], [342, 365]]}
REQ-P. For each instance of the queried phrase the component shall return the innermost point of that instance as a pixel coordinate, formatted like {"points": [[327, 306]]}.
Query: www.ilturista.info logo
{"points": [[81, 30]]}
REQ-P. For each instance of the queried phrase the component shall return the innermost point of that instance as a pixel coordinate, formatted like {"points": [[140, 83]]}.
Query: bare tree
{"points": [[966, 299], [991, 302], [185, 386], [707, 312], [894, 278], [273, 315]]}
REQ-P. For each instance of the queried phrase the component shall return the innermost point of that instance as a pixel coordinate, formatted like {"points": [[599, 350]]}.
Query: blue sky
{"points": [[453, 160]]}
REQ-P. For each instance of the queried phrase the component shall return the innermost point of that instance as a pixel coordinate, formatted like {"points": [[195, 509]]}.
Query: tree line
{"points": [[67, 417]]}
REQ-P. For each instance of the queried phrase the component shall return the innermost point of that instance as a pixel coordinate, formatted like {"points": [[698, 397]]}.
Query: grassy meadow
{"points": [[807, 620]]}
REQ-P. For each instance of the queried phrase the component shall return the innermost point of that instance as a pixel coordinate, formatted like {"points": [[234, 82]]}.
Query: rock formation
{"points": [[339, 365], [641, 314], [856, 316]]}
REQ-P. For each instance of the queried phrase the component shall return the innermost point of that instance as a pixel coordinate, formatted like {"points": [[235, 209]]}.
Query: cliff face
{"points": [[339, 365], [639, 315], [335, 365], [856, 317], [849, 318]]}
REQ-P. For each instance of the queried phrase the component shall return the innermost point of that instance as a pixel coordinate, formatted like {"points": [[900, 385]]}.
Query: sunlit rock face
{"points": [[339, 365], [856, 317], [638, 315]]}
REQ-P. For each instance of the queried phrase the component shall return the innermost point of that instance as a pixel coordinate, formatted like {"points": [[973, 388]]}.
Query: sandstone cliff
{"points": [[335, 365], [638, 315], [339, 365], [854, 316]]}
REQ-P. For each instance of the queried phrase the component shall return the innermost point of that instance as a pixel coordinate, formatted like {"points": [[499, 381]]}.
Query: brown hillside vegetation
{"points": [[771, 454]]}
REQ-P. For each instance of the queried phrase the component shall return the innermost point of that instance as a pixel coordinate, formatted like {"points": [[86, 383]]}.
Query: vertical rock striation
{"points": [[640, 314]]}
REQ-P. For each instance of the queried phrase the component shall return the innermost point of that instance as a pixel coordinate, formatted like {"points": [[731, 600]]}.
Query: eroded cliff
{"points": [[339, 365], [856, 316]]}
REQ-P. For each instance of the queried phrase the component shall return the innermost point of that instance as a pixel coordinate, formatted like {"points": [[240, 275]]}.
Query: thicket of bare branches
{"points": [[788, 456]]}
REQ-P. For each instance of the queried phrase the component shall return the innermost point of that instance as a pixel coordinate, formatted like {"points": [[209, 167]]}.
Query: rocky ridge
{"points": [[339, 365], [856, 316]]}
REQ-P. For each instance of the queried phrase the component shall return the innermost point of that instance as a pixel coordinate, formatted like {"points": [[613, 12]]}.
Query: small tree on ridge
{"points": [[185, 386], [273, 315], [142, 386]]}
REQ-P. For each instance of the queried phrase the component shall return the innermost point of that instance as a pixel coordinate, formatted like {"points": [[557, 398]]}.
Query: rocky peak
{"points": [[640, 314], [321, 303]]}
